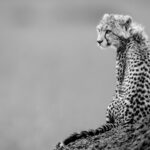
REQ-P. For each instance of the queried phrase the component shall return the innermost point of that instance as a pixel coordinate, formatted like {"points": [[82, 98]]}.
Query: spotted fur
{"points": [[131, 101]]}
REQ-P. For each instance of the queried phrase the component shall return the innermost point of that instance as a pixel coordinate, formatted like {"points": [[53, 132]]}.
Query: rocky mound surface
{"points": [[126, 137]]}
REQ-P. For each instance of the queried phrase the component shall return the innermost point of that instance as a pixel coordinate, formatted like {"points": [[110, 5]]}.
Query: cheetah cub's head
{"points": [[112, 29]]}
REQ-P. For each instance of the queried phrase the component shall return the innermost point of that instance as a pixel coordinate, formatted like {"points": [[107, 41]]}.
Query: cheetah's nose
{"points": [[99, 41]]}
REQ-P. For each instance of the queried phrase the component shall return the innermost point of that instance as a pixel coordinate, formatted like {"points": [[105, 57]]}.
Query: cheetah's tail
{"points": [[84, 134]]}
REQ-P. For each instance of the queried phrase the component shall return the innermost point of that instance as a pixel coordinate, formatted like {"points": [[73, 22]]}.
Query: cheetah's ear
{"points": [[128, 21], [106, 16]]}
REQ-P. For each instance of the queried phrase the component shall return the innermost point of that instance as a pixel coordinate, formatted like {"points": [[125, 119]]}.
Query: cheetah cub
{"points": [[131, 101]]}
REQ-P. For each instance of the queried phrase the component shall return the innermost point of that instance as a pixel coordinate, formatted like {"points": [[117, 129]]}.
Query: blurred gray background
{"points": [[54, 80]]}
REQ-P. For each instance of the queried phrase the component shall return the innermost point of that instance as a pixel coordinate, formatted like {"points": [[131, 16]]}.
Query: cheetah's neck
{"points": [[133, 48]]}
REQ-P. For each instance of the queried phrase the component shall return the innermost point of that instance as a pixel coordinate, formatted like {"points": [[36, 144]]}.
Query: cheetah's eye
{"points": [[98, 30], [108, 31]]}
